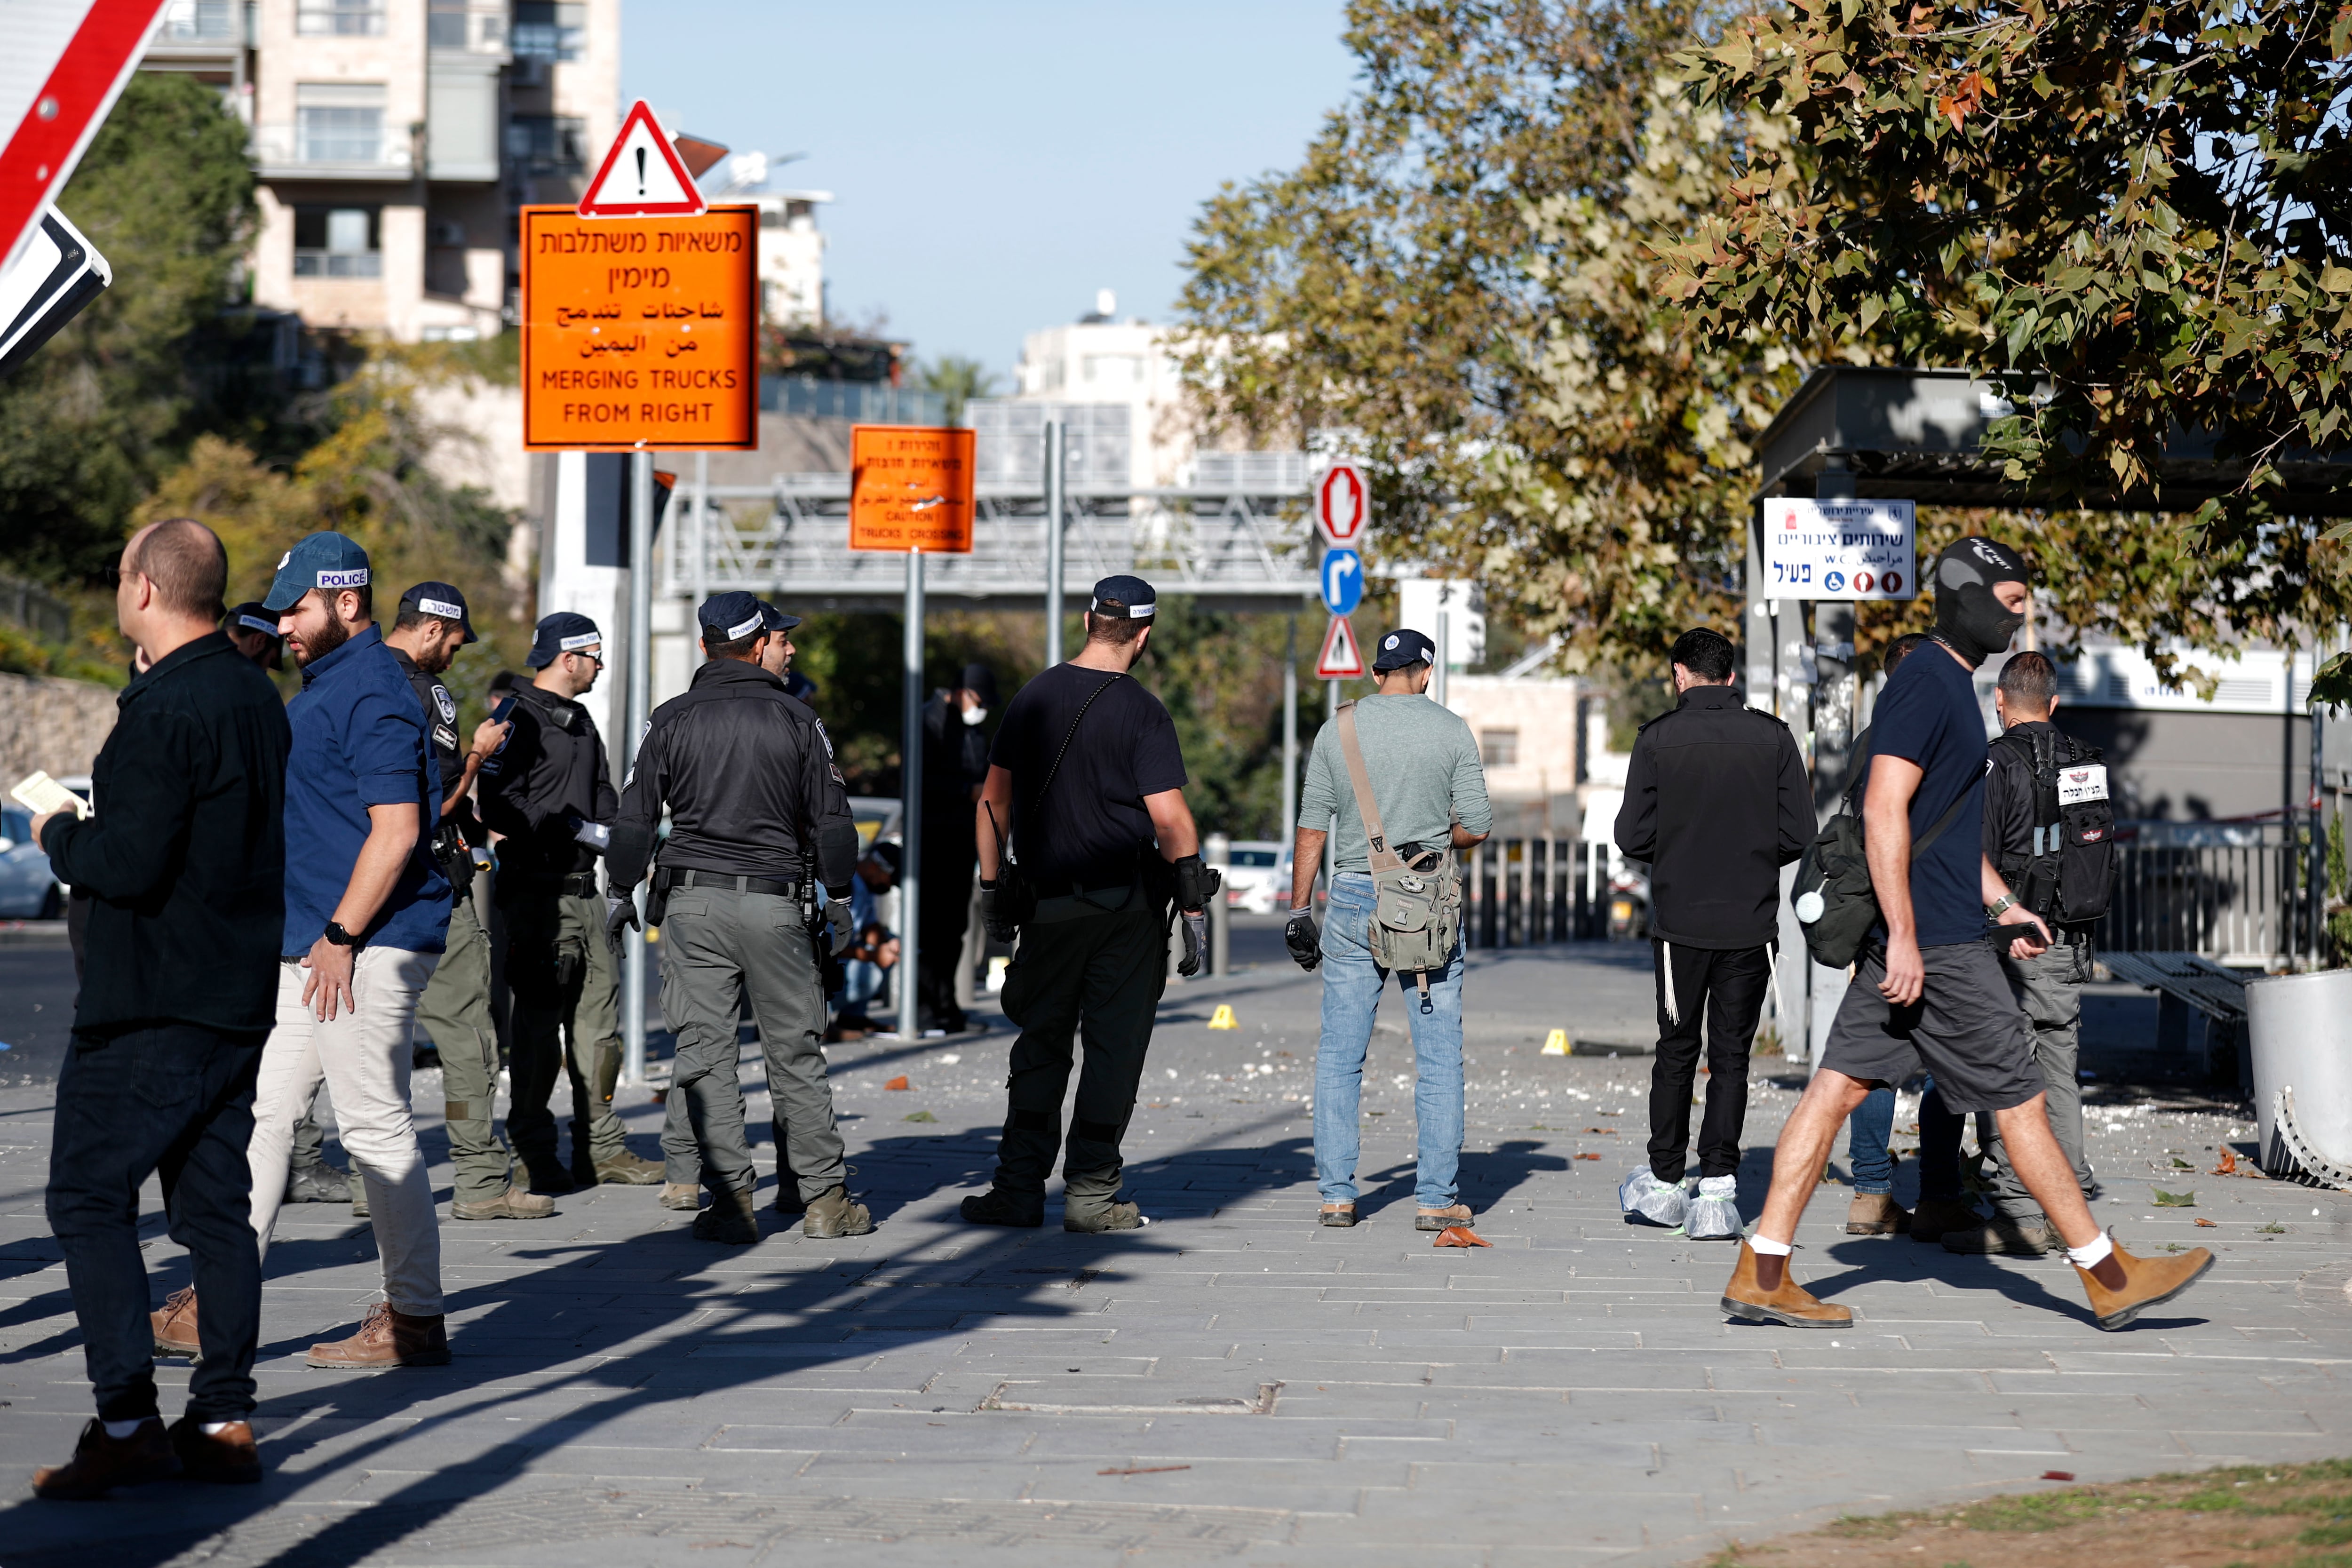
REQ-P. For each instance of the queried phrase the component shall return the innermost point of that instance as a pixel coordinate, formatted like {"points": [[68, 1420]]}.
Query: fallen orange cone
{"points": [[1460, 1236], [899, 1082]]}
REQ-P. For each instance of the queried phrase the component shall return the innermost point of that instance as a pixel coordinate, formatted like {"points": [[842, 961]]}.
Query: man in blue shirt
{"points": [[366, 912], [1929, 992]]}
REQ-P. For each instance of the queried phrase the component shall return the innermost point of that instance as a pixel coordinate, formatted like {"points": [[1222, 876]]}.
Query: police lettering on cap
{"points": [[1132, 593], [561, 633], [1401, 648], [253, 615], [732, 617], [440, 600], [322, 560], [775, 620]]}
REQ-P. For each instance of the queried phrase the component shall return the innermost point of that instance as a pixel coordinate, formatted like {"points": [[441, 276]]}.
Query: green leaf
{"points": [[2165, 1200], [919, 1116]]}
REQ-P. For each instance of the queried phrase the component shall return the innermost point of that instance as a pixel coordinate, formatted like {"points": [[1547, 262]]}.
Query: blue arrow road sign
{"points": [[1343, 581]]}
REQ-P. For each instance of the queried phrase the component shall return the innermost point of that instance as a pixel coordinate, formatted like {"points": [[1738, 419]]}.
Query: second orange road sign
{"points": [[910, 488], [640, 334]]}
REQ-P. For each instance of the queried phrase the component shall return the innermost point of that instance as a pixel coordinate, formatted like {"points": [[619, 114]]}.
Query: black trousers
{"points": [[946, 916], [175, 1100], [1724, 988], [1096, 979]]}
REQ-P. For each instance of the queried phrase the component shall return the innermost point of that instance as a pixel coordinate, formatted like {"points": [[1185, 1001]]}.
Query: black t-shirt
{"points": [[1092, 830], [1929, 716]]}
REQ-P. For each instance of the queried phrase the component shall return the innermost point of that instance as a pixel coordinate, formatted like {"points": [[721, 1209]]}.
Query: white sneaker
{"points": [[1714, 1213], [1641, 1195]]}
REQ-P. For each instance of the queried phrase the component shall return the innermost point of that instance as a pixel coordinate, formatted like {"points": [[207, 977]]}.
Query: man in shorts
{"points": [[1928, 992]]}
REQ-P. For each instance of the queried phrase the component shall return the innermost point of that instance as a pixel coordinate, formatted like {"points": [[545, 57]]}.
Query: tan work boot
{"points": [[730, 1219], [1934, 1216], [1094, 1218], [2003, 1236], [686, 1195], [175, 1325], [1876, 1214], [225, 1458], [387, 1337], [835, 1214], [625, 1169], [515, 1202], [102, 1463], [1790, 1305], [2147, 1282]]}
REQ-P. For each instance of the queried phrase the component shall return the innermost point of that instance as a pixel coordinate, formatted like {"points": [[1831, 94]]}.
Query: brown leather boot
{"points": [[387, 1337], [625, 1169], [2003, 1236], [833, 1214], [730, 1220], [175, 1325], [1791, 1305], [515, 1202], [684, 1196], [2147, 1282], [102, 1463], [1934, 1216], [1876, 1214], [227, 1456]]}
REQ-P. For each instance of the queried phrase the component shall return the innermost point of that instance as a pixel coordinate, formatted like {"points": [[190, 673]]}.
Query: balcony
{"points": [[472, 28], [209, 21], [310, 151]]}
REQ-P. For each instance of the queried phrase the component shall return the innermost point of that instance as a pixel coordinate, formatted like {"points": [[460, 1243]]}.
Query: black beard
{"points": [[334, 636]]}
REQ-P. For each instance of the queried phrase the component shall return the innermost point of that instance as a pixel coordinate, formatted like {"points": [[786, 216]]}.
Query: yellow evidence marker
{"points": [[1223, 1018], [1556, 1044]]}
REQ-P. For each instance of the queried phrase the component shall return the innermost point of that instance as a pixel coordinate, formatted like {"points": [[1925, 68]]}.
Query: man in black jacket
{"points": [[955, 764], [1717, 801], [184, 860], [759, 821]]}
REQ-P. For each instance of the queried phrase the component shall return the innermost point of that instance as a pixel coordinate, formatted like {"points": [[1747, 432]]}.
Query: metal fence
{"points": [[1526, 892], [28, 606]]}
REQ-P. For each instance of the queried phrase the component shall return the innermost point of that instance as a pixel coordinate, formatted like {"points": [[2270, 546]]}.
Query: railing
{"points": [[284, 148], [2239, 893], [45, 615], [201, 21], [470, 26], [871, 402], [1531, 891]]}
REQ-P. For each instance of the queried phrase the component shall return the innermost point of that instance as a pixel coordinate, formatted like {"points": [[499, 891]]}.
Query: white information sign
{"points": [[1840, 549], [2077, 786]]}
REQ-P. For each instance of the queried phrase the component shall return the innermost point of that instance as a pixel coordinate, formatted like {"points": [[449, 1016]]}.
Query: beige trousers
{"points": [[364, 1056]]}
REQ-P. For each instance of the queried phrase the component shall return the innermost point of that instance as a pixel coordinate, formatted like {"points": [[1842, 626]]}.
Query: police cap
{"points": [[1401, 648], [440, 600], [732, 617], [775, 620], [561, 633], [322, 560], [1133, 592]]}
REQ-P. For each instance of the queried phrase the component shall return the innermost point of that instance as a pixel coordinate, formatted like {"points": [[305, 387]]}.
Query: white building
{"points": [[791, 257], [1099, 359]]}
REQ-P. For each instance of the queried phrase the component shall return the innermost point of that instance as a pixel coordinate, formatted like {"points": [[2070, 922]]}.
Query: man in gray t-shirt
{"points": [[1431, 794]]}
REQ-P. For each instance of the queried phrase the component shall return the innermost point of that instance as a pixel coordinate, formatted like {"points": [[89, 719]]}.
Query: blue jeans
{"points": [[1873, 1123], [1351, 994], [1866, 1135]]}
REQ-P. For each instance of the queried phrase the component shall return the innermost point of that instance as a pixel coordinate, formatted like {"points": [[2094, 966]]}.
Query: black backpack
{"points": [[2069, 876], [1835, 903]]}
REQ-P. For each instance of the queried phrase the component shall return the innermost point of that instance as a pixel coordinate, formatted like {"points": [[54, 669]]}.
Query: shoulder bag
{"points": [[1416, 907]]}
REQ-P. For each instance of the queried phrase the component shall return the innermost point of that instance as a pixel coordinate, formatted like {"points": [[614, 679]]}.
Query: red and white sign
{"points": [[65, 64], [641, 174], [1343, 504], [1340, 659]]}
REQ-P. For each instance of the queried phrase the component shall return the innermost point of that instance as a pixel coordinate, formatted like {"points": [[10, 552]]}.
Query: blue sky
{"points": [[996, 162]]}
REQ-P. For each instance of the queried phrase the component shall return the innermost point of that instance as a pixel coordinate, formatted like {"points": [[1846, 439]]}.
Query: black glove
{"points": [[1196, 884], [1196, 945], [836, 915], [622, 911], [999, 928], [1305, 941]]}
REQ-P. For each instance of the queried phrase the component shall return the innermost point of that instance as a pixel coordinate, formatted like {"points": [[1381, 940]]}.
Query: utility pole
{"points": [[638, 699]]}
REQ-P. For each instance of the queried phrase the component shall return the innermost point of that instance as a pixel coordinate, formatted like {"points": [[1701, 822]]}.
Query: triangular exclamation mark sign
{"points": [[642, 176]]}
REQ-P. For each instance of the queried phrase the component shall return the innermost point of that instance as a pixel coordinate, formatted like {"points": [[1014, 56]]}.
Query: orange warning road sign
{"points": [[640, 333], [910, 488], [1340, 659]]}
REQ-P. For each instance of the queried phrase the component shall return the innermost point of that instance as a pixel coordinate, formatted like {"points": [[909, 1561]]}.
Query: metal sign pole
{"points": [[911, 810], [638, 699], [1289, 741], [701, 548], [1055, 441], [1437, 676]]}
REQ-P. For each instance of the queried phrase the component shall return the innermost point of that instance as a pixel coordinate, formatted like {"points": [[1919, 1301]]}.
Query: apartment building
{"points": [[396, 139], [1101, 360]]}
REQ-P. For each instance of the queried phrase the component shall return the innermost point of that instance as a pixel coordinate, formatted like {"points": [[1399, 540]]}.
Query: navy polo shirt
{"points": [[359, 740]]}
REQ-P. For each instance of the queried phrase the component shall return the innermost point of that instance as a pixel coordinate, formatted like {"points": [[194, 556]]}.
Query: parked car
{"points": [[1257, 877], [27, 888]]}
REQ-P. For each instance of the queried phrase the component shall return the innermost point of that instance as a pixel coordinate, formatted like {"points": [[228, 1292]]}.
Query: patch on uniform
{"points": [[445, 737], [447, 703], [826, 738], [836, 771]]}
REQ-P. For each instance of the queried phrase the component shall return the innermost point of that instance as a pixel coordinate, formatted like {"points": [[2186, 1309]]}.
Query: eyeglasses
{"points": [[112, 573]]}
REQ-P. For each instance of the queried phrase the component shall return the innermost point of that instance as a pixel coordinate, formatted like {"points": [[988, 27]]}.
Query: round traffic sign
{"points": [[1343, 504], [1343, 581]]}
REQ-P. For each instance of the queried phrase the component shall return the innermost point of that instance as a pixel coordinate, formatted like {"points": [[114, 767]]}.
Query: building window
{"points": [[1499, 748], [546, 143], [338, 122], [549, 30], [337, 242], [339, 18]]}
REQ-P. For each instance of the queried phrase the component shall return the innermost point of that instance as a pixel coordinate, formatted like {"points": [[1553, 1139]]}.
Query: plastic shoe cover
{"points": [[1714, 1211], [1643, 1196]]}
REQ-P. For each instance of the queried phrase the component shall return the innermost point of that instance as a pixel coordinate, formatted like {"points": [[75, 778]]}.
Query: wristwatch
{"points": [[2008, 902], [338, 936]]}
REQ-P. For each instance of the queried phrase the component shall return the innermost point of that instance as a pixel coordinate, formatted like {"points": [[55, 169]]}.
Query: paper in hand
{"points": [[44, 794]]}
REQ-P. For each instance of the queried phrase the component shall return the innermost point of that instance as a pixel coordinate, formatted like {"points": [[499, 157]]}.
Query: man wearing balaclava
{"points": [[1927, 991]]}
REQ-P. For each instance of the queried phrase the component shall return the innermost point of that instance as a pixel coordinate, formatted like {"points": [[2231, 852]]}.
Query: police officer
{"points": [[454, 1010], [254, 630], [548, 792], [1088, 779], [759, 821]]}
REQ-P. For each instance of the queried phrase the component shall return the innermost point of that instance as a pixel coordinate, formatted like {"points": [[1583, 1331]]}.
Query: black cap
{"points": [[777, 621], [252, 615], [887, 851], [980, 679], [1402, 646], [732, 615], [1133, 592], [441, 600], [565, 631]]}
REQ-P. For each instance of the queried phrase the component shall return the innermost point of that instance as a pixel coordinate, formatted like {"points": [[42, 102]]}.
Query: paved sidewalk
{"points": [[1231, 1383]]}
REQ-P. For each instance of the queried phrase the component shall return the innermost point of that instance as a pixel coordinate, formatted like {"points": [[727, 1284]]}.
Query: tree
{"points": [[90, 422], [1454, 284], [959, 379], [2138, 217]]}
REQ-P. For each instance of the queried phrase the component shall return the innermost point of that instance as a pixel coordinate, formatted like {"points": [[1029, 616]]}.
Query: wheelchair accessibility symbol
{"points": [[1833, 582]]}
